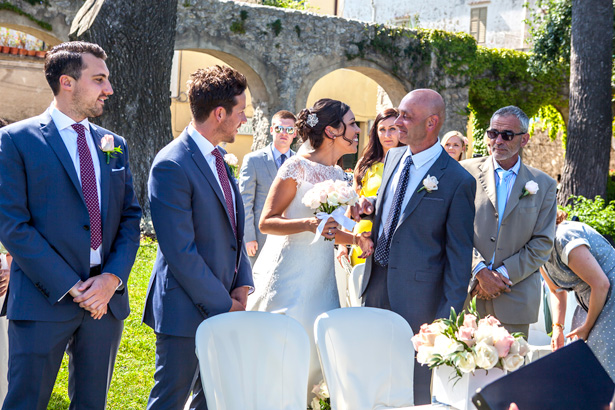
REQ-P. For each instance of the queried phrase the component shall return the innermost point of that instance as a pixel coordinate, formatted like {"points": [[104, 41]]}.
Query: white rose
{"points": [[425, 354], [514, 347], [466, 362], [107, 144], [230, 159], [486, 356], [315, 403], [445, 346], [333, 199], [512, 362], [531, 187], [438, 327], [485, 333], [524, 347], [430, 183]]}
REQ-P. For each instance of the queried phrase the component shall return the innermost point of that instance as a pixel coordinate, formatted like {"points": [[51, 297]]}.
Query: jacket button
{"points": [[496, 215], [492, 239], [86, 227], [233, 249]]}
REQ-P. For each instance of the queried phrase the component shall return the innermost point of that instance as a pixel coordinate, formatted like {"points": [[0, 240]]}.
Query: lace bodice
{"points": [[303, 170]]}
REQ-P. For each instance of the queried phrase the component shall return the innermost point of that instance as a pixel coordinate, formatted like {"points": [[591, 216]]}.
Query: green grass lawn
{"points": [[134, 367]]}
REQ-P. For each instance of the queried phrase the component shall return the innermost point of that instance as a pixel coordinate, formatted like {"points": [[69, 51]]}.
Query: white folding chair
{"points": [[253, 361], [367, 358]]}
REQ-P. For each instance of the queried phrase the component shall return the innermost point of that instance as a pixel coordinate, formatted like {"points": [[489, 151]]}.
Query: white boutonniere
{"points": [[107, 145], [232, 161], [429, 184], [530, 188]]}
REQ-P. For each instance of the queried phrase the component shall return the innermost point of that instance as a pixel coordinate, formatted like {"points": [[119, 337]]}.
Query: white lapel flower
{"points": [[107, 145], [530, 188], [429, 184], [232, 162]]}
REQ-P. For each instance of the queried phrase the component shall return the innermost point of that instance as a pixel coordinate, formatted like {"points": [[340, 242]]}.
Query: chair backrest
{"points": [[367, 358], [253, 361]]}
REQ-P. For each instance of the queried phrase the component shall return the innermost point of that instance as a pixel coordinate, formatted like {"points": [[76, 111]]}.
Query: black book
{"points": [[570, 378]]}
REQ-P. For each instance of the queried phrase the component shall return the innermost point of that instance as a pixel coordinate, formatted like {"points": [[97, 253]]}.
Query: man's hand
{"points": [[364, 206], [480, 293], [240, 295], [492, 282], [252, 248], [5, 275], [96, 293], [364, 240], [236, 306]]}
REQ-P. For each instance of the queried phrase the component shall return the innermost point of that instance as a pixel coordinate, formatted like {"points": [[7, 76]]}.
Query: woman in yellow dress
{"points": [[383, 136]]}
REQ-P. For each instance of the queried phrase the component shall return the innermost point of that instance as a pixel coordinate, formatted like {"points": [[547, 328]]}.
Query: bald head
{"points": [[422, 113]]}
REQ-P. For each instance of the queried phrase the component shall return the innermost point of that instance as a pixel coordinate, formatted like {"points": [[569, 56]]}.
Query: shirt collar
{"points": [[63, 121], [203, 143], [424, 157], [277, 154], [514, 169]]}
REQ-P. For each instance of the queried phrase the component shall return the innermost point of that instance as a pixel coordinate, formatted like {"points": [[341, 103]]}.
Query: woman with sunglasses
{"points": [[455, 143], [583, 261]]}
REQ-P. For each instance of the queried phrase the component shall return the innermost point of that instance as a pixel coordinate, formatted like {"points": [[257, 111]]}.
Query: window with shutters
{"points": [[478, 24]]}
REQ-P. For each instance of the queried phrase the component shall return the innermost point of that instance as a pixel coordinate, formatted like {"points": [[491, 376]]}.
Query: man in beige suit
{"points": [[514, 225]]}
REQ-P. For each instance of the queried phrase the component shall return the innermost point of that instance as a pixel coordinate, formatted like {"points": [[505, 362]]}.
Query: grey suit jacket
{"points": [[431, 248], [257, 174], [525, 239], [199, 261]]}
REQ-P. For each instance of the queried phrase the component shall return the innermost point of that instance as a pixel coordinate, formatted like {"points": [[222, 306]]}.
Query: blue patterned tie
{"points": [[381, 255], [282, 159]]}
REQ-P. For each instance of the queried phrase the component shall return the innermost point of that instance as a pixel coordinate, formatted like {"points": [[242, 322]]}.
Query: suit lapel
{"points": [[51, 134], [436, 170], [270, 163], [105, 174], [487, 180], [203, 166], [517, 189]]}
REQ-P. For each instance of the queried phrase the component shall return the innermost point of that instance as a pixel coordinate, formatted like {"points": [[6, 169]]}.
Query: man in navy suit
{"points": [[202, 268], [70, 219]]}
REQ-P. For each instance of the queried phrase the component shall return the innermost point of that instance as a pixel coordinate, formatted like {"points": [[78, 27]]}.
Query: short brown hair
{"points": [[65, 59], [283, 115], [215, 86]]}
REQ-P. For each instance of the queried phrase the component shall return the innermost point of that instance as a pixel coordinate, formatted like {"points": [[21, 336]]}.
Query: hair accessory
{"points": [[312, 120]]}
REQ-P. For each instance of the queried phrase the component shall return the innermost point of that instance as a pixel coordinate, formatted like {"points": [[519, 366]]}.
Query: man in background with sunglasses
{"points": [[258, 171], [514, 225]]}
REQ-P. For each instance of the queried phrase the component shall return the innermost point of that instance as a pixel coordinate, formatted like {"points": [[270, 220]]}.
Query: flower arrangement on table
{"points": [[322, 400], [328, 199], [466, 342]]}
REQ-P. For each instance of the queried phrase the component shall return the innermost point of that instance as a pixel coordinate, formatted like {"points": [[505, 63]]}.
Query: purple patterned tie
{"points": [[226, 187], [88, 186]]}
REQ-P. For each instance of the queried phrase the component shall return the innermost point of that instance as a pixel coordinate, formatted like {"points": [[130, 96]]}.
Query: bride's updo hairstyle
{"points": [[311, 122]]}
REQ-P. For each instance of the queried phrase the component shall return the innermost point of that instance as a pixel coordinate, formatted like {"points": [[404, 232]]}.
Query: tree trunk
{"points": [[139, 38], [589, 127]]}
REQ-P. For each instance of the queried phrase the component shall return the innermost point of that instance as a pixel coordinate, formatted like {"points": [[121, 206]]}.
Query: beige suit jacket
{"points": [[525, 239]]}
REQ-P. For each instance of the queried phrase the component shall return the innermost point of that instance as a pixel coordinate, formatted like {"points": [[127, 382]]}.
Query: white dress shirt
{"points": [[206, 149], [69, 136], [421, 162]]}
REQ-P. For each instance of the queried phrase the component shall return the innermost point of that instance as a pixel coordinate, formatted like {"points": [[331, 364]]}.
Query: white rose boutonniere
{"points": [[232, 162], [530, 188], [107, 145], [429, 184]]}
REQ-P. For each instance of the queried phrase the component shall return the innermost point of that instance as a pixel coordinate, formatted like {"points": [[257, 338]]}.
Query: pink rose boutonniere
{"points": [[107, 145]]}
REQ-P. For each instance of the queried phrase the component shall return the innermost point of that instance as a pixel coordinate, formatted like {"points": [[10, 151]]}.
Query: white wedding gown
{"points": [[292, 276]]}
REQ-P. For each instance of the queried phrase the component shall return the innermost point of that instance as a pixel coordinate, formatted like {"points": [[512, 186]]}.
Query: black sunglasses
{"points": [[279, 129], [507, 135]]}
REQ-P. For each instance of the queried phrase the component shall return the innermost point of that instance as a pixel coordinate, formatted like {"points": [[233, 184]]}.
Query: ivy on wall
{"points": [[10, 7]]}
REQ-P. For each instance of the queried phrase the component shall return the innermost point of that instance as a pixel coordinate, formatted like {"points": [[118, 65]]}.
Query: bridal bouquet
{"points": [[466, 342], [328, 199]]}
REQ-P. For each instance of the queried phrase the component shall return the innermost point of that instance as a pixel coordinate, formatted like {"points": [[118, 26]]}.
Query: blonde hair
{"points": [[464, 142]]}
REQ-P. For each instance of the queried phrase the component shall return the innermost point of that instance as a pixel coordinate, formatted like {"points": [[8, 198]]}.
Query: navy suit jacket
{"points": [[431, 249], [199, 260], [44, 222]]}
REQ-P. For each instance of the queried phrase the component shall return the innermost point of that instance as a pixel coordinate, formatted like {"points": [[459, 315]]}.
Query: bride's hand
{"points": [[364, 240], [329, 230]]}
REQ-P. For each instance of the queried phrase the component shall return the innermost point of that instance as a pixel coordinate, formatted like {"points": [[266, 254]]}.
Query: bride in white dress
{"points": [[292, 276]]}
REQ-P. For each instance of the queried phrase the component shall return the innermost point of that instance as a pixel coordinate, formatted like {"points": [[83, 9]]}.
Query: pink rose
{"points": [[502, 341], [107, 143], [489, 320], [465, 334], [417, 341], [426, 336], [470, 321]]}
